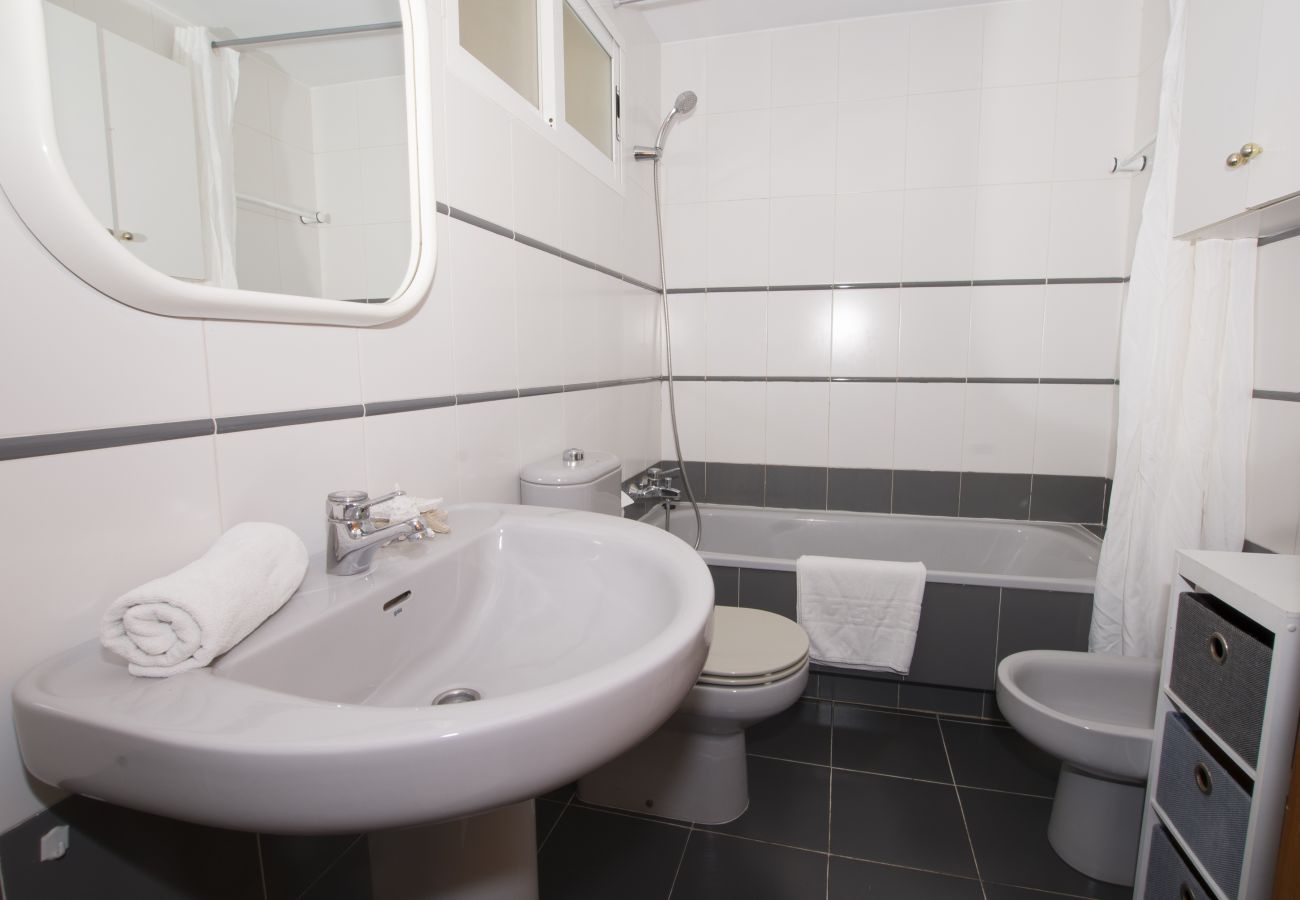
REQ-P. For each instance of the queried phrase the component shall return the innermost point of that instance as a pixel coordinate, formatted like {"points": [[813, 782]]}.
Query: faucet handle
{"points": [[348, 506]]}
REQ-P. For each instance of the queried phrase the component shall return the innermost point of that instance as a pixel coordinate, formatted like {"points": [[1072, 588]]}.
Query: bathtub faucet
{"points": [[656, 484]]}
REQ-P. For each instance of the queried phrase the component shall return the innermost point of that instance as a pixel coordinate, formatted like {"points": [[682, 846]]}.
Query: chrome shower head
{"points": [[682, 106], [685, 102]]}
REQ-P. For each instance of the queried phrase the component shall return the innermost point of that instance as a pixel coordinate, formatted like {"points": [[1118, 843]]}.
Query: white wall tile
{"points": [[334, 117], [683, 170], [943, 139], [1012, 224], [483, 309], [257, 257], [938, 234], [256, 367], [581, 325], [737, 422], [934, 332], [381, 112], [1094, 116], [799, 333], [804, 65], [414, 450], [342, 260], [862, 426], [682, 68], [1100, 39], [1022, 42], [873, 58], [738, 72], [739, 158], [1016, 134], [1075, 428], [928, 426], [591, 419], [798, 421], [865, 329], [540, 316], [536, 184], [869, 237], [999, 431], [802, 240], [338, 187], [1277, 317], [737, 234], [252, 103], [478, 155], [283, 474], [871, 145], [541, 427], [254, 165], [1272, 476], [689, 315], [1081, 330], [488, 457], [385, 190], [803, 150], [946, 49], [1006, 332], [1088, 236], [388, 254], [737, 333], [686, 244], [290, 110], [692, 422]]}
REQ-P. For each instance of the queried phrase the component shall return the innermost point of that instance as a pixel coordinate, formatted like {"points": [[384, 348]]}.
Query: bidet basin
{"points": [[581, 634]]}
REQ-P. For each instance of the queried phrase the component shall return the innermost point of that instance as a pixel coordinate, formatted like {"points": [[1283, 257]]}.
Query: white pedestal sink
{"points": [[580, 632]]}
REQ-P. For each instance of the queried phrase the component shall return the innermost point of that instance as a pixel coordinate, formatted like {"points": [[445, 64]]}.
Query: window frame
{"points": [[547, 118]]}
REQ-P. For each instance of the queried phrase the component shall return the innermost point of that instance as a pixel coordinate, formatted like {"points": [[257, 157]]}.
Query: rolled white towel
{"points": [[185, 620]]}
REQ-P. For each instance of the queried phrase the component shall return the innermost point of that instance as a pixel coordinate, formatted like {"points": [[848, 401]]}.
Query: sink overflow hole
{"points": [[457, 695], [396, 600]]}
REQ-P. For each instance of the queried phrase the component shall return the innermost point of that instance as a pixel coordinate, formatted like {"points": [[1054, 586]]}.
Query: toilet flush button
{"points": [[573, 456]]}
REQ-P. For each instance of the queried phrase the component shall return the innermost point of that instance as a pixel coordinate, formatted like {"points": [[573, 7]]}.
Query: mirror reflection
{"points": [[231, 142]]}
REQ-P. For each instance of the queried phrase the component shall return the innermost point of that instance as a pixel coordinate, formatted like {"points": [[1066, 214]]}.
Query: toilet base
{"points": [[685, 775], [1096, 823]]}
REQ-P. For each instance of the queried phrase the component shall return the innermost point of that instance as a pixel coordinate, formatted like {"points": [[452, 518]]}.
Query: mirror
{"points": [[255, 159]]}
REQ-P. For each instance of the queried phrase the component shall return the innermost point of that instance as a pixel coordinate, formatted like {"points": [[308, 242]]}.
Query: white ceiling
{"points": [[682, 20], [355, 57]]}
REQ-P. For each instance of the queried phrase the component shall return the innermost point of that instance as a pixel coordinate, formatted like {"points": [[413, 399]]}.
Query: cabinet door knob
{"points": [[1204, 783], [1250, 150], [126, 236], [1234, 160]]}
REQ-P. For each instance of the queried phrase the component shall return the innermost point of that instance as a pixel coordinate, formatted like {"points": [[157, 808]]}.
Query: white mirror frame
{"points": [[36, 183]]}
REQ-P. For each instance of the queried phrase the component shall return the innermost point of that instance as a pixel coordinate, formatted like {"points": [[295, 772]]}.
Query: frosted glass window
{"points": [[502, 34], [588, 84]]}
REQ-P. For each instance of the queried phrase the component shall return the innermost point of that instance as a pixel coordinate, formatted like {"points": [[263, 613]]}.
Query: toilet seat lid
{"points": [[752, 645]]}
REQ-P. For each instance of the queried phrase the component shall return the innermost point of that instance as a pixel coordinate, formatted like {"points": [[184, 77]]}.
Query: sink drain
{"points": [[457, 695]]}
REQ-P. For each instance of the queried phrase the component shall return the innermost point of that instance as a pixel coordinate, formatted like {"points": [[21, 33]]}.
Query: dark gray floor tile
{"points": [[1067, 498], [802, 733], [769, 589], [1007, 892], [954, 701], [1043, 620], [860, 490], [787, 804], [120, 853], [1010, 837], [889, 743], [717, 867], [997, 757], [347, 879], [893, 820], [795, 487], [957, 636], [852, 879], [726, 580], [926, 493], [989, 495], [548, 813], [292, 863], [874, 691], [735, 483], [600, 855]]}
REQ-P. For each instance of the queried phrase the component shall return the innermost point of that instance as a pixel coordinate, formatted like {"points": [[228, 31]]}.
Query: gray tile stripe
{"points": [[896, 379], [387, 407], [1280, 236], [1119, 279], [230, 424], [1249, 546], [883, 285], [101, 438], [1286, 396], [479, 222]]}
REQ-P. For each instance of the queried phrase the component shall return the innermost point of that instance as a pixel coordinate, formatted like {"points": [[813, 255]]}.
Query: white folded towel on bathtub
{"points": [[860, 613], [186, 619]]}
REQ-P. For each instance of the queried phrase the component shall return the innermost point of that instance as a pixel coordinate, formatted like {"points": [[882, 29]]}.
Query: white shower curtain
{"points": [[1184, 400], [215, 78]]}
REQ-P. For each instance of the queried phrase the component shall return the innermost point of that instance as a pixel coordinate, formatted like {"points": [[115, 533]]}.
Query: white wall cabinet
{"points": [[125, 120], [1242, 86]]}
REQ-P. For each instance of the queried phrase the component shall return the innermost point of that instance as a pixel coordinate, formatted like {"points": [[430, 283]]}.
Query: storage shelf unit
{"points": [[1226, 722]]}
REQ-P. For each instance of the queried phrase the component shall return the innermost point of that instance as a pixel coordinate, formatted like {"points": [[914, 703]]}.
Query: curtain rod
{"points": [[304, 35]]}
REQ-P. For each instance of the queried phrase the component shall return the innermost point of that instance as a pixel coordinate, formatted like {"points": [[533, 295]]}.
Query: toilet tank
{"points": [[574, 479]]}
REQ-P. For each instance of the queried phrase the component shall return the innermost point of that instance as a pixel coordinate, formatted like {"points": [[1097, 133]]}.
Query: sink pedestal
{"points": [[492, 856]]}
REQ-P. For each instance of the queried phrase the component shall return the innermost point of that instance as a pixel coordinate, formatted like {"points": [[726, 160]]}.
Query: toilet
{"points": [[1097, 714], [693, 768]]}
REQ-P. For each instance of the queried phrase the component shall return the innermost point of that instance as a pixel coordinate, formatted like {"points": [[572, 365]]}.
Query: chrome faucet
{"points": [[656, 484], [353, 539]]}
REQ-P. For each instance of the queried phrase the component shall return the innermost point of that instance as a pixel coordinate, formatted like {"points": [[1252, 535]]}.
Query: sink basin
{"points": [[580, 632]]}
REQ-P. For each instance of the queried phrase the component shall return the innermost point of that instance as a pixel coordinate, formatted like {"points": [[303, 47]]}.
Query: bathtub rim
{"points": [[979, 579]]}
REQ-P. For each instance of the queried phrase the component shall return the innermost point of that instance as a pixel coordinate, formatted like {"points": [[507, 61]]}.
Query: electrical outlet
{"points": [[54, 843]]}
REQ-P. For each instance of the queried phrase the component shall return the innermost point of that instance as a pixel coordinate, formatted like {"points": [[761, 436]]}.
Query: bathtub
{"points": [[993, 587]]}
